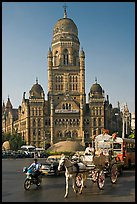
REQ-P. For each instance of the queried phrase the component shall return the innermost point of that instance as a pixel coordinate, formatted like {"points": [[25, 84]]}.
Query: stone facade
{"points": [[65, 115]]}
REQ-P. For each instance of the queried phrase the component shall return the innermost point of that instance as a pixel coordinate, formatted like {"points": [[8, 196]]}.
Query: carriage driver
{"points": [[89, 150]]}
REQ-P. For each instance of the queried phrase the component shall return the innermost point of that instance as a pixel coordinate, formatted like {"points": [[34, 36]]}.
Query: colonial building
{"points": [[65, 115]]}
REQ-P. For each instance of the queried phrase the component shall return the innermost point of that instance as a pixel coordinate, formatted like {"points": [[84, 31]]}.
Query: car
{"points": [[50, 166]]}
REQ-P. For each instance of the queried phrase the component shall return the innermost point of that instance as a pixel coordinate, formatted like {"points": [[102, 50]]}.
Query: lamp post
{"points": [[116, 114], [123, 129], [93, 138]]}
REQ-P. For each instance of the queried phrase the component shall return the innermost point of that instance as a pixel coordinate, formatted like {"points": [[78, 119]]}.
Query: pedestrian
{"points": [[89, 150]]}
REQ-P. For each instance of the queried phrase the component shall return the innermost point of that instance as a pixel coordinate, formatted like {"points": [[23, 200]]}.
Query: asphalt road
{"points": [[53, 188]]}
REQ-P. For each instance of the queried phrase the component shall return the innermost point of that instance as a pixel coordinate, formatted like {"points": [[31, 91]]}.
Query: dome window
{"points": [[65, 57]]}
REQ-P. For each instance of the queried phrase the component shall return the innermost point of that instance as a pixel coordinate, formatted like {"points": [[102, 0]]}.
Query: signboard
{"points": [[66, 111]]}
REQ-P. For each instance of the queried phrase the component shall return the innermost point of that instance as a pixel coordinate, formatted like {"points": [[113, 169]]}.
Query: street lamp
{"points": [[123, 129], [116, 114]]}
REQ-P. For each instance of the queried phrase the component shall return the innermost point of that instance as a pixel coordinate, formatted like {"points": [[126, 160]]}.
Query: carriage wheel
{"points": [[101, 179], [114, 173], [94, 175], [78, 181]]}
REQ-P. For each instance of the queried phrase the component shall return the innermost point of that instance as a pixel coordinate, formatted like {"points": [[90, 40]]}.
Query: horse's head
{"points": [[61, 163]]}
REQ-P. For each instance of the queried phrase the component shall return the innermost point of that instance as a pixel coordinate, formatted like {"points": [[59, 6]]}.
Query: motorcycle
{"points": [[31, 179]]}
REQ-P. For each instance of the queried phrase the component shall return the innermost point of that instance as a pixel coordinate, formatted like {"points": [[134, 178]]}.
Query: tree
{"points": [[5, 137], [131, 136], [15, 140]]}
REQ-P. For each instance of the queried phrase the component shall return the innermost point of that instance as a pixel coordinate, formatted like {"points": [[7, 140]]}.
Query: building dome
{"points": [[36, 91], [37, 88], [96, 88], [65, 29], [66, 146], [65, 25]]}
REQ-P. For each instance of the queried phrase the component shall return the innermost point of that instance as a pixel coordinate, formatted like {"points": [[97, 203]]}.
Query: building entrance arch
{"points": [[67, 134]]}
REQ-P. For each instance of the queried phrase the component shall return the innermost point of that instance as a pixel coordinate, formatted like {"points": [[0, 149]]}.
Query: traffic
{"points": [[107, 157]]}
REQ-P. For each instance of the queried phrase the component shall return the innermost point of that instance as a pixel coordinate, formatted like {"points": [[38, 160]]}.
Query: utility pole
{"points": [[123, 131]]}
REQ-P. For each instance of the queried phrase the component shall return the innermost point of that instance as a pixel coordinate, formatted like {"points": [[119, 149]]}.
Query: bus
{"points": [[123, 148], [29, 150]]}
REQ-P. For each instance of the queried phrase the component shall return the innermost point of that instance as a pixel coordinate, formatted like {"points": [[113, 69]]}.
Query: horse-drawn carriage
{"points": [[94, 167], [79, 169], [98, 167]]}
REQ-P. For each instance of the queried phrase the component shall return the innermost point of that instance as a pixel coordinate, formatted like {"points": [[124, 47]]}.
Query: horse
{"points": [[71, 171]]}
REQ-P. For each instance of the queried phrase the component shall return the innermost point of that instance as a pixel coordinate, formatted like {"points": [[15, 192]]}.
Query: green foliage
{"points": [[132, 136], [15, 140], [5, 137]]}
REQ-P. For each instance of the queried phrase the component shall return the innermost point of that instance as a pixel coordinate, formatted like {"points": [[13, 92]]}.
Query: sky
{"points": [[106, 31]]}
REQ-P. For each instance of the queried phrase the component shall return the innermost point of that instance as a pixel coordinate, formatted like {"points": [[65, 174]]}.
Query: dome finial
{"points": [[36, 80], [65, 12], [96, 80]]}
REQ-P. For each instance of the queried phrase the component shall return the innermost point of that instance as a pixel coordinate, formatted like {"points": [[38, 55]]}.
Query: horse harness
{"points": [[75, 165]]}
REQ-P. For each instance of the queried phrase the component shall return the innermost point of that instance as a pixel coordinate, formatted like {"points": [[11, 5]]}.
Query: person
{"points": [[89, 149], [35, 166]]}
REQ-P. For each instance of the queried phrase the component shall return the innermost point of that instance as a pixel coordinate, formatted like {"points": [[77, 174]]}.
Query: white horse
{"points": [[72, 172]]}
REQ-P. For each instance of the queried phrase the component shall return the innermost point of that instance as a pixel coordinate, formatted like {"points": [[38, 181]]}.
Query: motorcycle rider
{"points": [[35, 166]]}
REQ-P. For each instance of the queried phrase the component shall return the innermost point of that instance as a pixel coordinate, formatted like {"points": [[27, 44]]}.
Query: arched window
{"points": [[74, 134], [59, 134], [33, 111], [56, 58], [94, 121], [38, 132], [34, 122], [99, 121], [61, 78], [38, 122], [65, 57], [86, 135], [74, 58], [67, 106], [70, 78]]}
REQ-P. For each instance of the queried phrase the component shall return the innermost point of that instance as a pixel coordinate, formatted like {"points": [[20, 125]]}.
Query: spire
{"points": [[36, 80], [118, 103], [3, 104], [3, 107], [96, 80], [8, 104], [65, 12], [82, 53], [24, 95]]}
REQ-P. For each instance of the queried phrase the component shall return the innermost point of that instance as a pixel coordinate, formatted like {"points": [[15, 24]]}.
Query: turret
{"points": [[50, 64]]}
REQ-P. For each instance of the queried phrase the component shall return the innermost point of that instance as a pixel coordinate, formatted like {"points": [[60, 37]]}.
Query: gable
{"points": [[68, 105]]}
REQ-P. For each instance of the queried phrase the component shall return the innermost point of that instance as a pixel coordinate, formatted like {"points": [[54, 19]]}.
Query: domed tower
{"points": [[66, 67], [66, 70], [36, 91], [96, 105], [35, 110]]}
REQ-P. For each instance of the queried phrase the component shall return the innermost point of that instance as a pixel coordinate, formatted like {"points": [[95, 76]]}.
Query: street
{"points": [[53, 188]]}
